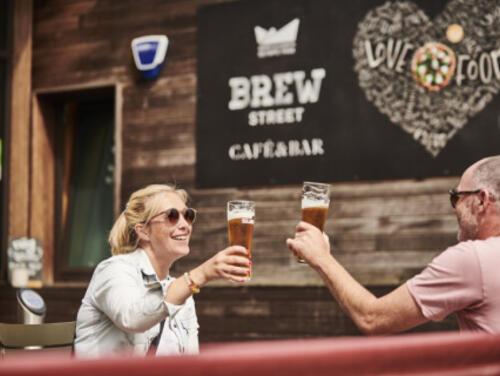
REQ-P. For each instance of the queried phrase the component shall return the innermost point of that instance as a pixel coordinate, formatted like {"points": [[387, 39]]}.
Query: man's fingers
{"points": [[292, 245], [304, 226], [301, 235]]}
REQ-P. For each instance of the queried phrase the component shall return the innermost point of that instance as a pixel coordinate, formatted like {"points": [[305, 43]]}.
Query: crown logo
{"points": [[276, 42]]}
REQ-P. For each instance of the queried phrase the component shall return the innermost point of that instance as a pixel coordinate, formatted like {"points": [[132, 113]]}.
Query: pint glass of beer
{"points": [[240, 222], [315, 203]]}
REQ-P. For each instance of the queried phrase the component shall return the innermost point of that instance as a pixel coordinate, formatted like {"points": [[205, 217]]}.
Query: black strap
{"points": [[156, 340]]}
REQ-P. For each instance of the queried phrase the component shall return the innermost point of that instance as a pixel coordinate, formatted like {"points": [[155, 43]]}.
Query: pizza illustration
{"points": [[433, 66]]}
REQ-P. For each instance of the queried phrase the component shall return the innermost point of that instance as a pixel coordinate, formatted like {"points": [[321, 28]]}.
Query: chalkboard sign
{"points": [[345, 90]]}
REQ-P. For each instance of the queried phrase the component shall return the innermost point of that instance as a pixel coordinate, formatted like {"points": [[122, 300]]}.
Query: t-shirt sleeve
{"points": [[451, 282]]}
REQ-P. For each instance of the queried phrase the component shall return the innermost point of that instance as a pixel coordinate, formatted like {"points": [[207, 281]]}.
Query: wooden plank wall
{"points": [[236, 314], [383, 232]]}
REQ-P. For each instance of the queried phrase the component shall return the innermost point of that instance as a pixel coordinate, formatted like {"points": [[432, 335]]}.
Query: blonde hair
{"points": [[141, 207]]}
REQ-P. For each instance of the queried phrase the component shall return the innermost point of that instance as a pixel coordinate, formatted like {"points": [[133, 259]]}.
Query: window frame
{"points": [[56, 269]]}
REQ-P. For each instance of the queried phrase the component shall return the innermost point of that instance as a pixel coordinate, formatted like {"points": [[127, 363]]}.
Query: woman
{"points": [[132, 304]]}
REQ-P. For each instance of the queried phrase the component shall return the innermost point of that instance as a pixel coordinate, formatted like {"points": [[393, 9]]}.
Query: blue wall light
{"points": [[149, 54]]}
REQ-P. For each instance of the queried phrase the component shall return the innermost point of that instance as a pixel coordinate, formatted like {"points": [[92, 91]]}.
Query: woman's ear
{"points": [[141, 231]]}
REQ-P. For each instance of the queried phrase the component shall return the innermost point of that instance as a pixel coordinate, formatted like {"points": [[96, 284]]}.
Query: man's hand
{"points": [[392, 313], [310, 244]]}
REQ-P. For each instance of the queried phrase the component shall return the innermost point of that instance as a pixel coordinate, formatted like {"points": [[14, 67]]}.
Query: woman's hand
{"points": [[310, 244], [231, 264]]}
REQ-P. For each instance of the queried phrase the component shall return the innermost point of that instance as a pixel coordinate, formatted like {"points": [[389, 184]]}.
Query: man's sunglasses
{"points": [[455, 195], [173, 215]]}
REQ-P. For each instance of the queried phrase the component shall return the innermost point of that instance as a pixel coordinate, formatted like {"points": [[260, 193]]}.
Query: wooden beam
{"points": [[19, 155], [118, 147], [42, 200]]}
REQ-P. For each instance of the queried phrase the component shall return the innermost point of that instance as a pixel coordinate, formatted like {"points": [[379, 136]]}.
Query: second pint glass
{"points": [[240, 223], [315, 203]]}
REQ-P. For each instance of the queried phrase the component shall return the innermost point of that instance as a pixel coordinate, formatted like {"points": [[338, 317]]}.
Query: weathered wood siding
{"points": [[383, 232], [236, 314]]}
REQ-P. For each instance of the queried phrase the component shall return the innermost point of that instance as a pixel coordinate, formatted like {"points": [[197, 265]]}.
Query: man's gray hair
{"points": [[487, 175]]}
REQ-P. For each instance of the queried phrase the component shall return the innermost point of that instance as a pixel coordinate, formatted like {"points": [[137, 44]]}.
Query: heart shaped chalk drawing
{"points": [[384, 47]]}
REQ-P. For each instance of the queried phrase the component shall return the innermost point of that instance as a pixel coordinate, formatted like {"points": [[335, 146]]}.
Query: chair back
{"points": [[21, 336]]}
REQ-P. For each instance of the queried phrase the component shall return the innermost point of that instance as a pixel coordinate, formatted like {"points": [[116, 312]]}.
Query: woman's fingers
{"points": [[238, 260], [232, 264], [234, 278], [237, 266], [237, 271], [236, 250]]}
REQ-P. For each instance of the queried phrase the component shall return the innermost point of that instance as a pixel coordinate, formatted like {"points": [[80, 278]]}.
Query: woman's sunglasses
{"points": [[173, 215]]}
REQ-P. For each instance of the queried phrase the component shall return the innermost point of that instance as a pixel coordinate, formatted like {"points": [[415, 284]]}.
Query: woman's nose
{"points": [[182, 222]]}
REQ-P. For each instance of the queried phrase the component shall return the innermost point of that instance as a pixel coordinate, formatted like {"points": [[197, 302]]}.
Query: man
{"points": [[464, 279]]}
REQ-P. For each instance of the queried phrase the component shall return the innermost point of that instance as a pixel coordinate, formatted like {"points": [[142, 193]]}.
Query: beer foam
{"points": [[240, 213], [311, 203]]}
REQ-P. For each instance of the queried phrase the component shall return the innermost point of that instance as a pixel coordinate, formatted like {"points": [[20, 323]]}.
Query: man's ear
{"points": [[141, 231], [484, 198]]}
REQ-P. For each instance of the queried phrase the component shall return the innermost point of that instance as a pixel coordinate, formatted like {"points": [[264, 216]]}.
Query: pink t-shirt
{"points": [[464, 279]]}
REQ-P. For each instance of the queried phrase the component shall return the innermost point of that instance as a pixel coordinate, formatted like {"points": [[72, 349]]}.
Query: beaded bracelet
{"points": [[195, 289]]}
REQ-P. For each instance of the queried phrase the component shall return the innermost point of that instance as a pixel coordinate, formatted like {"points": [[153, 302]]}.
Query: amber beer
{"points": [[315, 203], [315, 213], [240, 223]]}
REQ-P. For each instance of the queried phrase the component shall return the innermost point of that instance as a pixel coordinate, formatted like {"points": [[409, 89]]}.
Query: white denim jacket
{"points": [[123, 307]]}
